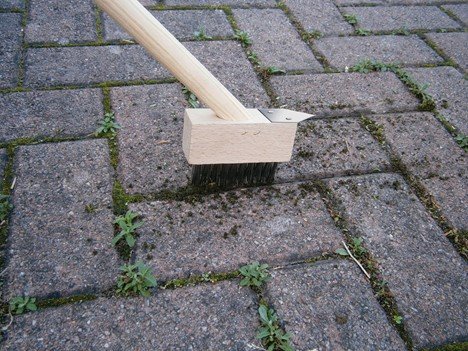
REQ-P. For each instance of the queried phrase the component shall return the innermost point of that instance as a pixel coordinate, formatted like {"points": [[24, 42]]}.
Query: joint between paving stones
{"points": [[381, 291], [452, 15], [447, 60]]}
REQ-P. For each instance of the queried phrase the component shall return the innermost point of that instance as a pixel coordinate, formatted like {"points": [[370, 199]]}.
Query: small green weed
{"points": [[270, 333], [252, 56], [401, 31], [275, 70], [462, 141], [243, 37], [316, 34], [108, 125], [5, 206], [200, 34], [191, 97], [136, 279], [255, 274], [351, 19], [19, 305], [355, 246], [127, 228], [367, 66], [397, 319], [362, 32]]}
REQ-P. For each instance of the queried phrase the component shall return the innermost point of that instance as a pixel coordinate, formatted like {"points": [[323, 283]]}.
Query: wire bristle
{"points": [[233, 175]]}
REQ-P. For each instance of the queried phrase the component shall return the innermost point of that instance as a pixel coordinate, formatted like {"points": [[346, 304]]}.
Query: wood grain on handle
{"points": [[163, 46]]}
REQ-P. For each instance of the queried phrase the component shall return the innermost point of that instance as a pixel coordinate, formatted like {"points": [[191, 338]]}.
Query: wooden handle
{"points": [[164, 47]]}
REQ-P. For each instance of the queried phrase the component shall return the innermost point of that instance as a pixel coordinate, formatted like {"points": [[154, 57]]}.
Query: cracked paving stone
{"points": [[431, 154], [330, 306], [459, 10], [454, 45], [401, 17], [343, 52], [274, 224], [449, 89], [275, 40], [328, 148], [55, 246], [319, 15], [10, 47], [59, 113], [61, 21], [341, 94], [425, 274], [182, 24], [209, 317]]}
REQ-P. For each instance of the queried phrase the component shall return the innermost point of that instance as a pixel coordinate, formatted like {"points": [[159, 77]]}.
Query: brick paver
{"points": [[275, 40], [459, 10], [430, 153], [449, 88], [279, 225], [319, 15], [330, 306], [12, 4], [61, 21], [425, 274], [327, 148], [60, 113], [401, 17], [205, 317], [56, 247], [348, 51], [10, 45], [454, 45], [343, 93], [182, 24]]}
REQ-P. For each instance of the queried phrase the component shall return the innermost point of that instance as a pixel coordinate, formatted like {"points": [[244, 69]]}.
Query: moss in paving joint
{"points": [[61, 301], [459, 346], [98, 24], [199, 279], [375, 129], [381, 291], [447, 60]]}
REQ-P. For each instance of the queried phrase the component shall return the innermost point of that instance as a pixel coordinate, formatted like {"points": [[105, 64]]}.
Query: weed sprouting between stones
{"points": [[191, 97], [255, 274], [136, 279], [351, 19], [127, 228], [108, 126], [200, 34], [270, 333], [243, 37], [19, 304], [5, 207]]}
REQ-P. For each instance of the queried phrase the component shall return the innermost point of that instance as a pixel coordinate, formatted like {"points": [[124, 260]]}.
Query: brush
{"points": [[226, 144]]}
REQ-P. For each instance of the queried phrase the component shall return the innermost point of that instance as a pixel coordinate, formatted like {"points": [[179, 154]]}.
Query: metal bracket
{"points": [[280, 115]]}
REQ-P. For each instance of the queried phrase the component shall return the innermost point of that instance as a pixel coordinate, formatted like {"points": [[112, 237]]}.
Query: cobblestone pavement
{"points": [[382, 167]]}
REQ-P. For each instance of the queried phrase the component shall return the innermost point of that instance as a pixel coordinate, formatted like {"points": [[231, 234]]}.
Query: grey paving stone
{"points": [[425, 274], [344, 52], [182, 24], [330, 306], [416, 2], [343, 93], [455, 45], [236, 3], [327, 148], [275, 40], [11, 4], [319, 15], [91, 64], [59, 113], [205, 317], [150, 141], [449, 89], [273, 225], [401, 17], [358, 2], [459, 10], [430, 153], [55, 247], [61, 21], [10, 45]]}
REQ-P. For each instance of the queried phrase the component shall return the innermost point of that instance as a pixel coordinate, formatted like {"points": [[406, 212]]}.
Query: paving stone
{"points": [[182, 24], [430, 153], [327, 148], [275, 40], [221, 2], [319, 15], [424, 272], [61, 21], [401, 17], [455, 45], [150, 141], [459, 10], [343, 93], [416, 2], [91, 64], [205, 317], [330, 306], [273, 225], [449, 88], [10, 46], [358, 2], [11, 4], [59, 113], [55, 247], [344, 52]]}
